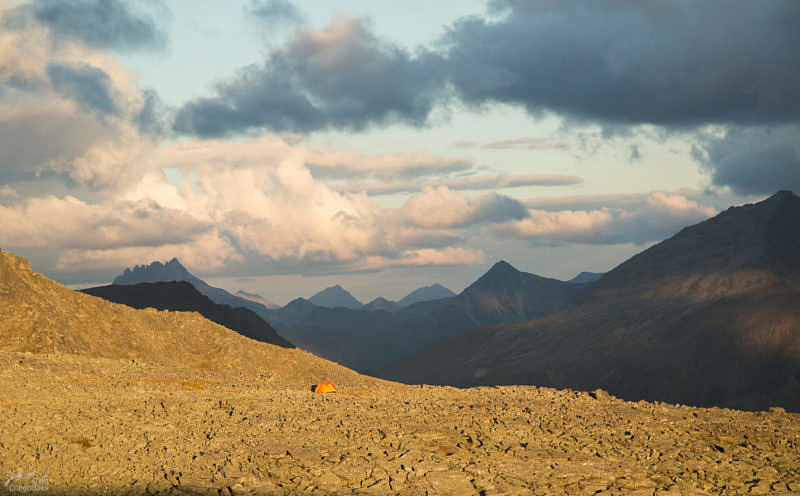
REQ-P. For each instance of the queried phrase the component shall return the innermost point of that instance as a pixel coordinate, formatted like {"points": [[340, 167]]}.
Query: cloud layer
{"points": [[643, 218], [674, 64], [678, 63], [116, 24], [754, 160], [83, 150], [342, 76]]}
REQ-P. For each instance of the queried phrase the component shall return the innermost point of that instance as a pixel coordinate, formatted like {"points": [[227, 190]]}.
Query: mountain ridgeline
{"points": [[183, 297], [371, 337], [334, 325], [710, 316], [42, 316], [174, 271]]}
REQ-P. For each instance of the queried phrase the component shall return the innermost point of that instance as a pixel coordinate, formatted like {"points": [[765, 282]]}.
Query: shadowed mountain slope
{"points": [[585, 277], [369, 339], [181, 296], [710, 316], [505, 295], [290, 314], [42, 316]]}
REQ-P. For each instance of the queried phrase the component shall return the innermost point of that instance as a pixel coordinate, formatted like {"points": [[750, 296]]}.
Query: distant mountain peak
{"points": [[500, 272], [335, 296], [736, 251], [586, 277], [502, 269], [173, 270], [784, 194], [156, 271], [381, 303], [502, 265], [433, 292]]}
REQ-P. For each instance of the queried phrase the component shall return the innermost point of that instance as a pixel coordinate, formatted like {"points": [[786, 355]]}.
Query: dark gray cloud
{"points": [[151, 117], [113, 24], [494, 207], [341, 77], [90, 87], [395, 169], [677, 63], [273, 13], [754, 160]]}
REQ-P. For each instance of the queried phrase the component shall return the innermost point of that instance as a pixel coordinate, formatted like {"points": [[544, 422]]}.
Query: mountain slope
{"points": [[369, 338], [359, 339], [290, 314], [585, 277], [42, 316], [181, 296], [174, 271], [432, 292], [710, 316], [505, 295], [335, 296]]}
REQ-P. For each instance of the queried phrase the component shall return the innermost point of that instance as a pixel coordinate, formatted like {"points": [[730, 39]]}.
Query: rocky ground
{"points": [[82, 425]]}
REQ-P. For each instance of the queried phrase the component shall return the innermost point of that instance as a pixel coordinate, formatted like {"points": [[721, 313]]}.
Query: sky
{"points": [[282, 146]]}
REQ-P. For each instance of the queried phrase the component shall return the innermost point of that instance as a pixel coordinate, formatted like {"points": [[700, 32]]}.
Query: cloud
{"points": [[390, 173], [151, 117], [545, 143], [443, 207], [348, 164], [426, 257], [90, 87], [676, 64], [70, 223], [667, 63], [68, 110], [638, 219], [273, 13], [510, 181], [342, 76], [267, 203], [115, 24], [713, 199], [753, 160], [481, 182], [562, 226]]}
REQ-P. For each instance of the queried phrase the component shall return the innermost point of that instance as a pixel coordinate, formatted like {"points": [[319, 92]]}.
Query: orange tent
{"points": [[325, 387]]}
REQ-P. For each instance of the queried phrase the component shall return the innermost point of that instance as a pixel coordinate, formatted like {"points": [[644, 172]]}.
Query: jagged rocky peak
{"points": [[156, 271]]}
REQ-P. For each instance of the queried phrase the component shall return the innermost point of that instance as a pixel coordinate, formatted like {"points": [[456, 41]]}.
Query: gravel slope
{"points": [[101, 426]]}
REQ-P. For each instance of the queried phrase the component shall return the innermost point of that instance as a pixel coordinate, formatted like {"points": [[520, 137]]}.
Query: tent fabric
{"points": [[325, 387]]}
